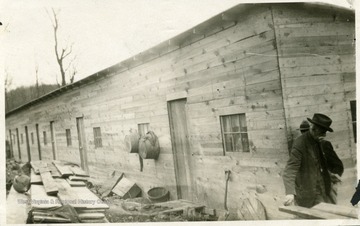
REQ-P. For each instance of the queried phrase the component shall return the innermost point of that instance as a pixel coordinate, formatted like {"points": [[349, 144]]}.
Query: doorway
{"points": [[181, 148], [82, 143]]}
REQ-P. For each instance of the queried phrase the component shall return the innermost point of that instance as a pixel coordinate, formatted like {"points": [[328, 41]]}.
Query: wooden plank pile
{"points": [[57, 184]]}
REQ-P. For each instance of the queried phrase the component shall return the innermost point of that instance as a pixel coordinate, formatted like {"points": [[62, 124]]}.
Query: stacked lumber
{"points": [[57, 184], [90, 208], [73, 174]]}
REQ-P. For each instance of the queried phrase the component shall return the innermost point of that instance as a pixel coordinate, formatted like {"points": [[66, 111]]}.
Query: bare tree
{"points": [[60, 52], [8, 82], [37, 79]]}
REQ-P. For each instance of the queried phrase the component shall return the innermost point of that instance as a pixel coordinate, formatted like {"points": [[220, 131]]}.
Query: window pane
{"points": [[226, 123], [243, 123], [235, 123], [228, 143], [238, 143]]}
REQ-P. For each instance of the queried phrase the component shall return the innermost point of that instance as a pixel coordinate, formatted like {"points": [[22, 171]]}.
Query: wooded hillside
{"points": [[24, 94]]}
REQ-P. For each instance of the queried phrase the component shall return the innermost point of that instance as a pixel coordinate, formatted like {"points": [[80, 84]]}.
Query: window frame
{"points": [[243, 135]]}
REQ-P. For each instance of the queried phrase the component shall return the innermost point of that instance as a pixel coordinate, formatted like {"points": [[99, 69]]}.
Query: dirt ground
{"points": [[138, 209]]}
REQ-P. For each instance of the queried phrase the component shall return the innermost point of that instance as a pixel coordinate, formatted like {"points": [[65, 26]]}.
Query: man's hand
{"points": [[289, 200]]}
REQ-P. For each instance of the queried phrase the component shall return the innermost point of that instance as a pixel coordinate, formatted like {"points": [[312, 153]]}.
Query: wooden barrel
{"points": [[149, 147], [251, 209], [132, 142]]}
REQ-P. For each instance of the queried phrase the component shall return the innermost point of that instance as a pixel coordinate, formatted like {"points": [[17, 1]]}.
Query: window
{"points": [[353, 117], [143, 128], [45, 138], [234, 133], [32, 138], [68, 137], [22, 139], [97, 137]]}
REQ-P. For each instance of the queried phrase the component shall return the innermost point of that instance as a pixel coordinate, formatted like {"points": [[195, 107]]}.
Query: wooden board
{"points": [[109, 184], [16, 207], [78, 197], [63, 169], [76, 183], [50, 219], [78, 171], [84, 216], [35, 178], [41, 200], [126, 189], [310, 213], [76, 178], [36, 165], [49, 183], [54, 172], [336, 209]]}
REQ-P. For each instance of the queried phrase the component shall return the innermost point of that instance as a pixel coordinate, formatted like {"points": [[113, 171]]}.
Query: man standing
{"points": [[306, 176]]}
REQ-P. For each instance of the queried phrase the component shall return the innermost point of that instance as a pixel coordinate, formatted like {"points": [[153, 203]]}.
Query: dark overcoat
{"points": [[300, 174]]}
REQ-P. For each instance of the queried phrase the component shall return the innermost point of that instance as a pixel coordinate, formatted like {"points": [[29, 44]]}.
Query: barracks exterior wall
{"points": [[243, 68]]}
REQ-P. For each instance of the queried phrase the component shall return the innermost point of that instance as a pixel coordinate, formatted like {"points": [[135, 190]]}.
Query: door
{"points": [[27, 144], [82, 143], [18, 142], [53, 144], [181, 148], [38, 140]]}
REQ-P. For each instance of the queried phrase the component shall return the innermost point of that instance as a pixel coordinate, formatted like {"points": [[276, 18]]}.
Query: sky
{"points": [[103, 33]]}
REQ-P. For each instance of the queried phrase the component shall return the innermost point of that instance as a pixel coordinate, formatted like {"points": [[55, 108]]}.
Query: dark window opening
{"points": [[97, 137], [68, 137]]}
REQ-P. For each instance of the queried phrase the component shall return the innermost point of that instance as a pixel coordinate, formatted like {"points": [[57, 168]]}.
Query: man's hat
{"points": [[304, 125], [321, 120]]}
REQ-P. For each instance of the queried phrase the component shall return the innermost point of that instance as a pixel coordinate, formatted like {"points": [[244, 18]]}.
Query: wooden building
{"points": [[228, 94]]}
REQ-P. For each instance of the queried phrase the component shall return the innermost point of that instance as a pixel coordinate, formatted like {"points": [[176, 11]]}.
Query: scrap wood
{"points": [[78, 197], [36, 165], [63, 169], [16, 204], [76, 178], [54, 171], [109, 184], [50, 219], [34, 178], [84, 216], [77, 171], [104, 220], [41, 200], [76, 183], [336, 209], [309, 213], [49, 183], [126, 189]]}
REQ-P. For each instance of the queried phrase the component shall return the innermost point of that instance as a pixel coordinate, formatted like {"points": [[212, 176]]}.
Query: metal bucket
{"points": [[132, 142], [149, 147], [158, 194]]}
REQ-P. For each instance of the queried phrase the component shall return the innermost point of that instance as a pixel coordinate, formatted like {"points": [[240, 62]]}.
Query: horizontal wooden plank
{"points": [[310, 213], [41, 200], [63, 169], [76, 183], [315, 29], [50, 219], [49, 183], [78, 171], [351, 212]]}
